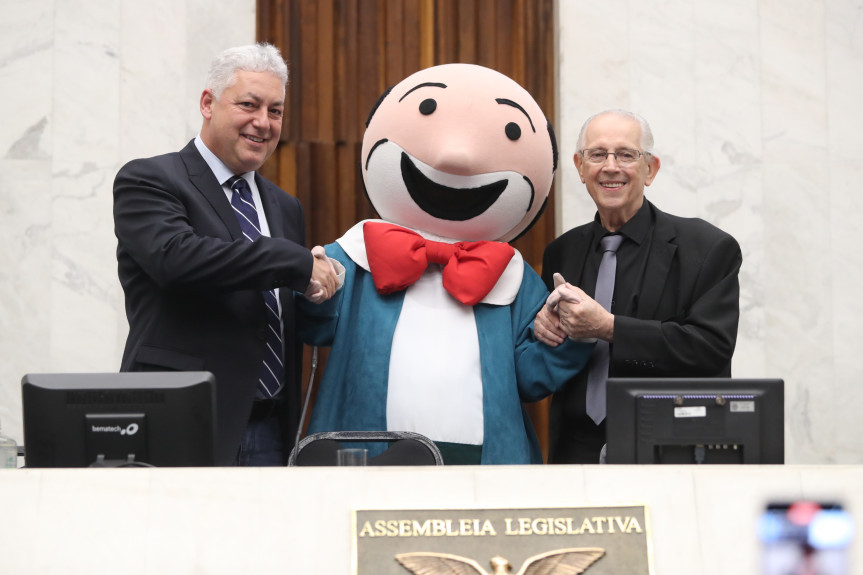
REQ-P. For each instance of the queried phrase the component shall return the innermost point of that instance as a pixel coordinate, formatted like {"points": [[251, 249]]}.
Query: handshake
{"points": [[569, 312], [328, 276]]}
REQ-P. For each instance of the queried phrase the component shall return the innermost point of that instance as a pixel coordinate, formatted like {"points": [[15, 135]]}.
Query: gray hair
{"points": [[261, 57], [646, 132]]}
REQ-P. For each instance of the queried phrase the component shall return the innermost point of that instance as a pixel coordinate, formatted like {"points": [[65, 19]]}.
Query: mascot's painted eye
{"points": [[513, 132], [428, 106]]}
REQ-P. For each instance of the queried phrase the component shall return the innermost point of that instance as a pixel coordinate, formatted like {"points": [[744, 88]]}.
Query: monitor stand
{"points": [[128, 462]]}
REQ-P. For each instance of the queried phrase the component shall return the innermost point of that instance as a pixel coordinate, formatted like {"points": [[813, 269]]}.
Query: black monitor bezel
{"points": [[622, 394], [54, 424]]}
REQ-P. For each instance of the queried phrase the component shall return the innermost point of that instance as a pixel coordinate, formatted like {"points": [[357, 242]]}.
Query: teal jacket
{"points": [[358, 323]]}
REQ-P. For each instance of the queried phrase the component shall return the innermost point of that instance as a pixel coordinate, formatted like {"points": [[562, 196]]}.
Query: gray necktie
{"points": [[598, 371]]}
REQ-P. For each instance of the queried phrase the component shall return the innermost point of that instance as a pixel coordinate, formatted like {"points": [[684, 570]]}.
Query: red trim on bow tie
{"points": [[398, 257]]}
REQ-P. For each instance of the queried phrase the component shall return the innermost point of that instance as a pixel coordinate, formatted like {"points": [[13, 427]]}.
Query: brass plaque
{"points": [[592, 540]]}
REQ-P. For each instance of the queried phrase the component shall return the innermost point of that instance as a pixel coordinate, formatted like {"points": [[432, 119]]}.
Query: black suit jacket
{"points": [[685, 321], [193, 283]]}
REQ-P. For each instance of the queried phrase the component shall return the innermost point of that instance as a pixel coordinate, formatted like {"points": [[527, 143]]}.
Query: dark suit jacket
{"points": [[193, 283], [685, 321]]}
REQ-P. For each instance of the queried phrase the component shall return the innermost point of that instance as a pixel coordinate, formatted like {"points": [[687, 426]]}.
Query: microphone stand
{"points": [[296, 451]]}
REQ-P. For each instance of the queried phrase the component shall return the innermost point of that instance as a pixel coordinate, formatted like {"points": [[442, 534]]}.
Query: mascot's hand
{"points": [[547, 325], [328, 276], [563, 291]]}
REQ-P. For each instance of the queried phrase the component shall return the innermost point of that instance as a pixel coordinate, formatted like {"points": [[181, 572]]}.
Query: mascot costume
{"points": [[431, 331]]}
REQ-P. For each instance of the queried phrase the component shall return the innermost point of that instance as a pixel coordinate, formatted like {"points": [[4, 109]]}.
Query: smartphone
{"points": [[805, 538]]}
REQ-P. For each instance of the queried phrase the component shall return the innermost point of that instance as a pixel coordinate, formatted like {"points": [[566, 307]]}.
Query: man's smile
{"points": [[612, 185]]}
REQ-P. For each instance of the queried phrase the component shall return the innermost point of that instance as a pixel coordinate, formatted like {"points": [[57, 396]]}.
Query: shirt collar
{"points": [[222, 172], [635, 229]]}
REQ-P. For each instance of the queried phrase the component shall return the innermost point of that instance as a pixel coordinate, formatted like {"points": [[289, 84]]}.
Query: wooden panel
{"points": [[305, 179], [349, 186], [411, 35], [371, 84], [394, 41], [446, 31], [346, 105], [504, 45], [287, 174], [427, 34], [308, 70], [324, 217], [292, 52], [324, 97], [487, 35], [343, 54], [467, 31]]}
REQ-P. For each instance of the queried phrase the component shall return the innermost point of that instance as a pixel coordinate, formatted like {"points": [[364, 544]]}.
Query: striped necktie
{"points": [[272, 370]]}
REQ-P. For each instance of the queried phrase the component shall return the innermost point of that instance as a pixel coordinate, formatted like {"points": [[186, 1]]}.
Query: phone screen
{"points": [[805, 538]]}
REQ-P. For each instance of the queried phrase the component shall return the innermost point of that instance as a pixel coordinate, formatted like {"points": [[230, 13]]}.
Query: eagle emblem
{"points": [[558, 562]]}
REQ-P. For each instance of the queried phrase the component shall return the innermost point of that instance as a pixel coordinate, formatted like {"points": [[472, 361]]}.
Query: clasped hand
{"points": [[569, 312], [327, 277]]}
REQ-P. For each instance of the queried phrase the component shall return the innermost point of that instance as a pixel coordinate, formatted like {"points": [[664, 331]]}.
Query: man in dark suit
{"points": [[198, 283], [675, 302]]}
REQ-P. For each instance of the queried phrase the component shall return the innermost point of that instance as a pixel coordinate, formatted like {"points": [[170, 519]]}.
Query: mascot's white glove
{"points": [[563, 292], [315, 292]]}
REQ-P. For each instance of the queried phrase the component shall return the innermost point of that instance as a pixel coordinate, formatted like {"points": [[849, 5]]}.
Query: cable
{"points": [[306, 403]]}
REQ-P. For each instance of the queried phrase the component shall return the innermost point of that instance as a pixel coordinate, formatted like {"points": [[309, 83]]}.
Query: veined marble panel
{"points": [[26, 148], [755, 105], [844, 87], [26, 79], [87, 105], [26, 243], [728, 154], [593, 74], [86, 86], [796, 222], [153, 101]]}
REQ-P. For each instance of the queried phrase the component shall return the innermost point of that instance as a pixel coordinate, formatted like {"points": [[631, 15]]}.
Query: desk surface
{"points": [[298, 520]]}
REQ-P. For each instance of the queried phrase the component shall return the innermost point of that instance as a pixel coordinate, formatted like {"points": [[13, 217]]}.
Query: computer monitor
{"points": [[160, 419], [695, 420]]}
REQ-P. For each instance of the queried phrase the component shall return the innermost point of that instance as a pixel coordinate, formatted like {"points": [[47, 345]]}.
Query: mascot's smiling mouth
{"points": [[444, 202]]}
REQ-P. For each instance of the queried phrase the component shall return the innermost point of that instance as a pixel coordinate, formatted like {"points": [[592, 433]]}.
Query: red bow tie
{"points": [[398, 257]]}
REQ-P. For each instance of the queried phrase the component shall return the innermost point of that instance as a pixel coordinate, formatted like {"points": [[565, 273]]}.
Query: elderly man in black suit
{"points": [[211, 255], [674, 305]]}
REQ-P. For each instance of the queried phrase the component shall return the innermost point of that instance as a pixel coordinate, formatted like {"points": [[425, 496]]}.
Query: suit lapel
{"points": [[271, 206], [572, 269], [203, 179], [659, 260]]}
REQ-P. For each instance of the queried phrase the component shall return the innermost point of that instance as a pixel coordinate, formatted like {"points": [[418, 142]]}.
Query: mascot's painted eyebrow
{"points": [[517, 107], [424, 85]]}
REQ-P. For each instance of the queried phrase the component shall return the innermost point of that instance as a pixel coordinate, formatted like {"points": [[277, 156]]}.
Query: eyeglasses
{"points": [[624, 156]]}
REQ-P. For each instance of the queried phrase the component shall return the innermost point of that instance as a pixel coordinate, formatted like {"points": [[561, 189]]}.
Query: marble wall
{"points": [[753, 104], [755, 107], [86, 86]]}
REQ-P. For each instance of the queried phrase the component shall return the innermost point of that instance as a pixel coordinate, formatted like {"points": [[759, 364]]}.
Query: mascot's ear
{"points": [[527, 229], [378, 103], [553, 145], [368, 121], [553, 169]]}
